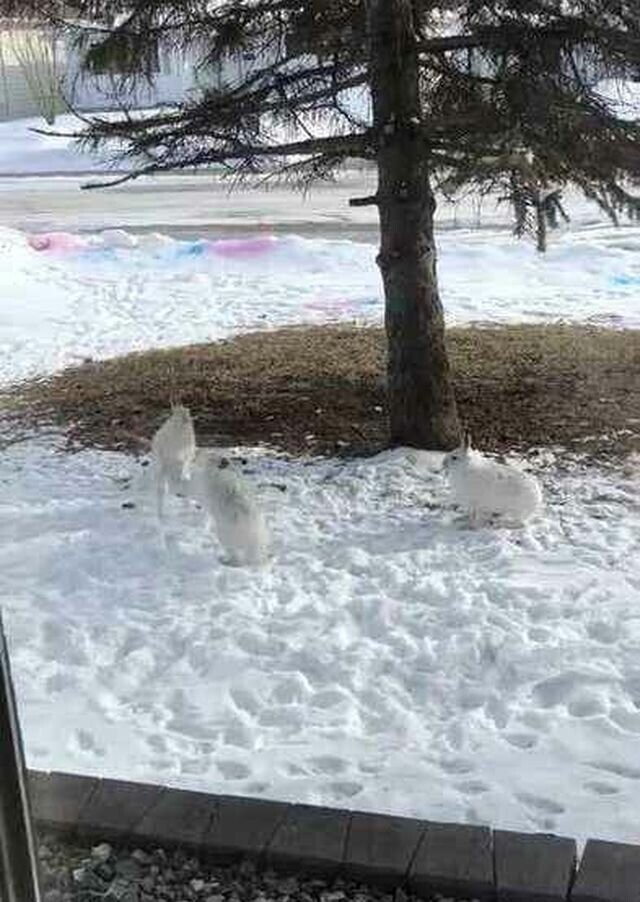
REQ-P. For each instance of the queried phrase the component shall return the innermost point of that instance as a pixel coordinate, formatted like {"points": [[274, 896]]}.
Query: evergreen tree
{"points": [[466, 94]]}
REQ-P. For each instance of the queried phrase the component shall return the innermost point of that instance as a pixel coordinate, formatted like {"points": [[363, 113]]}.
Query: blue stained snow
{"points": [[625, 280], [193, 249]]}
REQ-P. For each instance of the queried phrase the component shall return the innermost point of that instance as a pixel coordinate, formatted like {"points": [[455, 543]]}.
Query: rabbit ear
{"points": [[466, 441]]}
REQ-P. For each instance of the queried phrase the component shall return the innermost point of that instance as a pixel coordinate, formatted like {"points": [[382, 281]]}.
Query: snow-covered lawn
{"points": [[65, 304], [389, 657], [23, 151]]}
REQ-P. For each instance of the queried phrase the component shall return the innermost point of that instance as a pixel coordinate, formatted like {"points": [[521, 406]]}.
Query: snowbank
{"points": [[108, 293], [24, 152]]}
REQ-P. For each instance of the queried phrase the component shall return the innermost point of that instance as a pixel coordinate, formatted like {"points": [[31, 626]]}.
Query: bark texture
{"points": [[421, 400]]}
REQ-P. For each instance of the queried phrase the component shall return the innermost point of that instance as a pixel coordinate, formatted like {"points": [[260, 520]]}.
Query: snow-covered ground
{"points": [[85, 297], [25, 151], [389, 657]]}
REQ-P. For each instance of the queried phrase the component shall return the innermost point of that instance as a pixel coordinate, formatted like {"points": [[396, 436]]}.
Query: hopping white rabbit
{"points": [[485, 487], [231, 506], [174, 449]]}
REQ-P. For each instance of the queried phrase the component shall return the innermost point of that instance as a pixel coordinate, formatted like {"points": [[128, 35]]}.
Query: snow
{"points": [[25, 152], [389, 657], [112, 292], [623, 97]]}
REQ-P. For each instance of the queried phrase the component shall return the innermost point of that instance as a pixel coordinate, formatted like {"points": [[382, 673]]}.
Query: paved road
{"points": [[192, 205]]}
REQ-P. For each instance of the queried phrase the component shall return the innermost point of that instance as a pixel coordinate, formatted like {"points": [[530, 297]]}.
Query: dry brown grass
{"points": [[321, 389]]}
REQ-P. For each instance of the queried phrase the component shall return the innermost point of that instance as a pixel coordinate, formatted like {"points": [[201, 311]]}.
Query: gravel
{"points": [[76, 873]]}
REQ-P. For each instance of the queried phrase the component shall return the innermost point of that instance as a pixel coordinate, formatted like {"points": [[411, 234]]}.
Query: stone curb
{"points": [[425, 858]]}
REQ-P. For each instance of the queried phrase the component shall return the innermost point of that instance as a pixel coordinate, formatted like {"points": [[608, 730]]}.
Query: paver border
{"points": [[420, 856]]}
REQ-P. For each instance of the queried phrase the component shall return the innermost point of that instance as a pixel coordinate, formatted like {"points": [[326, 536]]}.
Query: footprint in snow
{"points": [[538, 803], [620, 770], [600, 788], [457, 765], [522, 740], [233, 770], [85, 742], [345, 789], [328, 764], [472, 787]]}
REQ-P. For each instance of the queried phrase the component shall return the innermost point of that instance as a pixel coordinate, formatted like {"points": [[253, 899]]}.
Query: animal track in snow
{"points": [[288, 716], [84, 741], [457, 765], [472, 787], [157, 742], [546, 806], [233, 770], [239, 734], [522, 740], [256, 788], [601, 788], [328, 764], [329, 698], [620, 770], [294, 688], [586, 704], [626, 720], [246, 700], [58, 682], [345, 789]]}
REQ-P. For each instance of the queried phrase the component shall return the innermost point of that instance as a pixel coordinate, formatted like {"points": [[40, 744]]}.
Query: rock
{"points": [[105, 871], [49, 875], [88, 881], [103, 852], [129, 869], [79, 875], [141, 857], [121, 891]]}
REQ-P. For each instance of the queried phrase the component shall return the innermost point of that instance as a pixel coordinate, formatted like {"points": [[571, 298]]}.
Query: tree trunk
{"points": [[541, 223], [421, 402]]}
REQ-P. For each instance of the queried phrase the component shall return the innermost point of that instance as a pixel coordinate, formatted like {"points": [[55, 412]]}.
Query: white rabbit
{"points": [[174, 449], [485, 487], [230, 504]]}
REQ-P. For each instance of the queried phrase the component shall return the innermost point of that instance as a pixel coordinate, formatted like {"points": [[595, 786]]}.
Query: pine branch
{"points": [[336, 146]]}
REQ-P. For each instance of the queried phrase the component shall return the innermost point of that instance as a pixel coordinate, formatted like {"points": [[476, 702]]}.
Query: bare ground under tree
{"points": [[321, 390]]}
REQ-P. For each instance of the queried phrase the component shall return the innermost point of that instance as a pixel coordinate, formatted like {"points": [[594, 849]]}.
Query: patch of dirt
{"points": [[321, 390]]}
